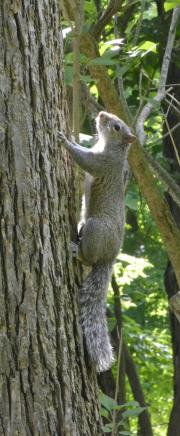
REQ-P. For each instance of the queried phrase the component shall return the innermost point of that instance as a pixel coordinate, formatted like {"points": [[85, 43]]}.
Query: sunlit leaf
{"points": [[171, 4], [118, 41], [148, 46]]}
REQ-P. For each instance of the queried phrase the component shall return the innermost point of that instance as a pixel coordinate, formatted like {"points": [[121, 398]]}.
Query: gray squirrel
{"points": [[101, 226]]}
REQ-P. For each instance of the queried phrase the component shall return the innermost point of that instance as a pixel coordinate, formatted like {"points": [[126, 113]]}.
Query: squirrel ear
{"points": [[130, 138], [102, 114]]}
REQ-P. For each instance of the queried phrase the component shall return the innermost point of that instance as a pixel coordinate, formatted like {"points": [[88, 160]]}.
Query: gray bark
{"points": [[45, 387]]}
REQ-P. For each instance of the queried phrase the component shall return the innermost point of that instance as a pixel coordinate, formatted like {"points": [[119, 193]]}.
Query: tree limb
{"points": [[112, 9]]}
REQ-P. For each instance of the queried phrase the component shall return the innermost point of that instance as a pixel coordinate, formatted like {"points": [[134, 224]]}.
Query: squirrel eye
{"points": [[117, 127]]}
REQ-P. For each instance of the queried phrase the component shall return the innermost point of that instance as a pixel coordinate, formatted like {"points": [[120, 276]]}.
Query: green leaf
{"points": [[131, 200], [125, 433], [104, 412], [86, 78], [108, 58], [131, 403], [133, 412], [107, 402], [155, 103], [111, 323], [68, 75], [117, 41], [148, 46], [171, 4], [107, 428]]}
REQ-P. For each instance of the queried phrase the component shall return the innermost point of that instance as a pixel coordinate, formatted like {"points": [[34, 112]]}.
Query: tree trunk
{"points": [[45, 388]]}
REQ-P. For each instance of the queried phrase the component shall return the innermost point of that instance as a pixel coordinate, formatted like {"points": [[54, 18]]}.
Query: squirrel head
{"points": [[113, 129]]}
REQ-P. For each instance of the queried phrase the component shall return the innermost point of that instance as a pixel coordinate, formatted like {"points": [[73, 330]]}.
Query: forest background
{"points": [[131, 37]]}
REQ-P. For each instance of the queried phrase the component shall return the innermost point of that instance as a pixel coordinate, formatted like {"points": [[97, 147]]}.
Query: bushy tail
{"points": [[93, 316]]}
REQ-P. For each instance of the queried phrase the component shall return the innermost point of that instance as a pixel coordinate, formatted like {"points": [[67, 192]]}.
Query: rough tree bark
{"points": [[45, 388]]}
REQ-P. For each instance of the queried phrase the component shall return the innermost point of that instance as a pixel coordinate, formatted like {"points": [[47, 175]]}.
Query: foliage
{"points": [[129, 411]]}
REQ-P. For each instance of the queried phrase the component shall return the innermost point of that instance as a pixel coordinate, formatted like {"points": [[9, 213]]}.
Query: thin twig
{"points": [[120, 79], [172, 139], [163, 77], [117, 381], [172, 106], [169, 106], [173, 98], [158, 139], [143, 98], [171, 186], [139, 24], [169, 84]]}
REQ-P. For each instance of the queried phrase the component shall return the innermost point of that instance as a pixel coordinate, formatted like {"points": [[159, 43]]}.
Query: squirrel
{"points": [[101, 227]]}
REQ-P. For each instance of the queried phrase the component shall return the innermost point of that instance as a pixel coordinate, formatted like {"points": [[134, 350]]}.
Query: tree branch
{"points": [[163, 77], [112, 9]]}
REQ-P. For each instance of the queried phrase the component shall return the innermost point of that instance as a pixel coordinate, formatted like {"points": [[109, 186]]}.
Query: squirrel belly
{"points": [[102, 225]]}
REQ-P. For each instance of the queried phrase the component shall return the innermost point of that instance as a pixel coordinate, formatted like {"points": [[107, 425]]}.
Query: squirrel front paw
{"points": [[74, 249], [61, 137]]}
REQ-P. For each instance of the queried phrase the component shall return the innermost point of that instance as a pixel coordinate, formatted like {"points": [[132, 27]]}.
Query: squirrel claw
{"points": [[61, 136], [74, 249]]}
